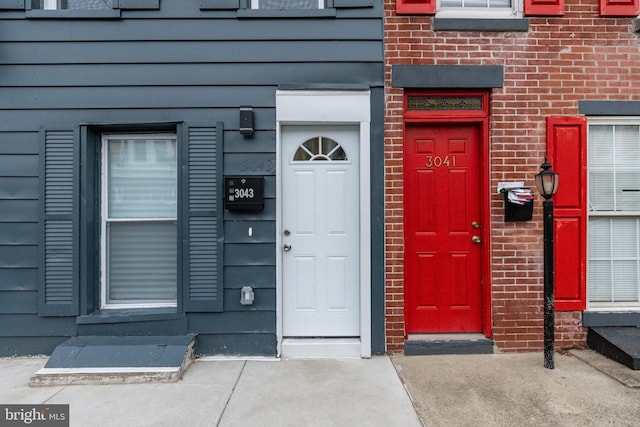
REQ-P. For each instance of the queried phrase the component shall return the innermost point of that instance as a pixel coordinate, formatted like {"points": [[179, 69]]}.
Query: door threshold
{"points": [[446, 337], [320, 348], [432, 344]]}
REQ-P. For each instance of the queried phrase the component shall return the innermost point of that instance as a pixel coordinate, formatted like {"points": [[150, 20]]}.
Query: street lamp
{"points": [[547, 184]]}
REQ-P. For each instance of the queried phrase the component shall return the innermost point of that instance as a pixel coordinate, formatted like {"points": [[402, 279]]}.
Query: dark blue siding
{"points": [[171, 65]]}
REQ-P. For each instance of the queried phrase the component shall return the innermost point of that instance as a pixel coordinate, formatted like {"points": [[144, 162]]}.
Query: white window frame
{"points": [[515, 11], [608, 306], [104, 195], [255, 4], [50, 5]]}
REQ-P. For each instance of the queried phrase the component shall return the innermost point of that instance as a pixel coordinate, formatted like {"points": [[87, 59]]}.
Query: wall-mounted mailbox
{"points": [[518, 204], [244, 193]]}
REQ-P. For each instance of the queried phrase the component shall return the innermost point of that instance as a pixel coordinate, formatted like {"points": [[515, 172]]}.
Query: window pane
{"points": [[614, 168], [142, 180], [600, 193], [627, 165], [614, 261], [142, 262], [625, 278], [600, 281]]}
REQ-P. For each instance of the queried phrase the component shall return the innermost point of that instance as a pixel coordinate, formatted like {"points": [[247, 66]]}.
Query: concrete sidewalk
{"points": [[464, 390], [516, 390], [343, 392]]}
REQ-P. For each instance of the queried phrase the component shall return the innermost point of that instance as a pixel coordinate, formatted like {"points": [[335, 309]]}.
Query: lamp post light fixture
{"points": [[547, 184]]}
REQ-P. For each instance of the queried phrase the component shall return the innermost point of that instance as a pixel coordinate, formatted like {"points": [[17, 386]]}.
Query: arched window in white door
{"points": [[320, 148]]}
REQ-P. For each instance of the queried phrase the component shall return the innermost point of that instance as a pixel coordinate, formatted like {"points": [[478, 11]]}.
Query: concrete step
{"points": [[621, 344], [431, 344], [117, 360]]}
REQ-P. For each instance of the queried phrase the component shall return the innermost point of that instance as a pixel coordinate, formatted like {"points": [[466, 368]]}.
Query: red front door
{"points": [[442, 229]]}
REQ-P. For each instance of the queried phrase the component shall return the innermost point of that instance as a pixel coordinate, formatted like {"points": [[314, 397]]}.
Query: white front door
{"points": [[320, 231]]}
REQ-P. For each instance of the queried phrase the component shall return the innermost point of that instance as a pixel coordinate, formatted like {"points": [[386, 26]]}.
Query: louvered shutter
{"points": [[619, 7], [202, 233], [567, 152], [59, 292], [543, 7], [415, 7]]}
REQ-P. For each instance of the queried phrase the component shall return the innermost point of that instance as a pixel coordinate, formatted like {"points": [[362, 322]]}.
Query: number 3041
{"points": [[439, 161]]}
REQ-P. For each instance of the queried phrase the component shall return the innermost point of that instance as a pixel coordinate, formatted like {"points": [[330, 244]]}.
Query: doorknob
{"points": [[476, 239], [286, 247]]}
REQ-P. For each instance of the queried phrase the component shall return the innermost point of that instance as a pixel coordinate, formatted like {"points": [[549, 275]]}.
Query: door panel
{"points": [[320, 231], [442, 202]]}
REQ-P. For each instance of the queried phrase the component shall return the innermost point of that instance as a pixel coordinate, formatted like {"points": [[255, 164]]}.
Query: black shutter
{"points": [[202, 221], [59, 223]]}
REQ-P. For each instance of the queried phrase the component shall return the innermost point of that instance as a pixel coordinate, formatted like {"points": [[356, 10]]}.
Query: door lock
{"points": [[475, 224], [286, 247], [476, 239]]}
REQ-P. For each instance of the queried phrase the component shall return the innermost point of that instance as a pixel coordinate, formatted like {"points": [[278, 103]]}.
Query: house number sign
{"points": [[434, 162], [244, 193]]}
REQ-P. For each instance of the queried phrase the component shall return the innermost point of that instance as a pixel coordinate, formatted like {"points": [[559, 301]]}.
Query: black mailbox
{"points": [[518, 205], [244, 193]]}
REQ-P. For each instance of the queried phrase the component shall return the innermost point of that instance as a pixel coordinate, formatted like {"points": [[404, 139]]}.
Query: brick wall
{"points": [[547, 70]]}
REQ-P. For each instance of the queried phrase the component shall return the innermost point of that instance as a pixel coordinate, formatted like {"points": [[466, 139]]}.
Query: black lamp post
{"points": [[547, 184]]}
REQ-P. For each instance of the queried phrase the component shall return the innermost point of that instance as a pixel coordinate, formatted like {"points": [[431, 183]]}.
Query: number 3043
{"points": [[439, 161], [243, 193]]}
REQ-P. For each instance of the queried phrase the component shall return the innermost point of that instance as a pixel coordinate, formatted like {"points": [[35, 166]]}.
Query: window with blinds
{"points": [[139, 215], [614, 215]]}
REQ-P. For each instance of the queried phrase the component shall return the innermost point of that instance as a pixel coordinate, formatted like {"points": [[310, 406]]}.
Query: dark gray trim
{"points": [[128, 316], [635, 25], [245, 344], [139, 4], [73, 14], [289, 13], [26, 346], [11, 4], [377, 223], [219, 4], [609, 108], [447, 76], [601, 319], [322, 86], [352, 3], [499, 25], [446, 346]]}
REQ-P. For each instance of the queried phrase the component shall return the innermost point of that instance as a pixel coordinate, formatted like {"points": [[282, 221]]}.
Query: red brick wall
{"points": [[547, 70]]}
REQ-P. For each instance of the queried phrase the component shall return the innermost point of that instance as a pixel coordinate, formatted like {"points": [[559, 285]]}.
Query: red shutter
{"points": [[544, 7], [619, 7], [567, 152], [415, 7]]}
